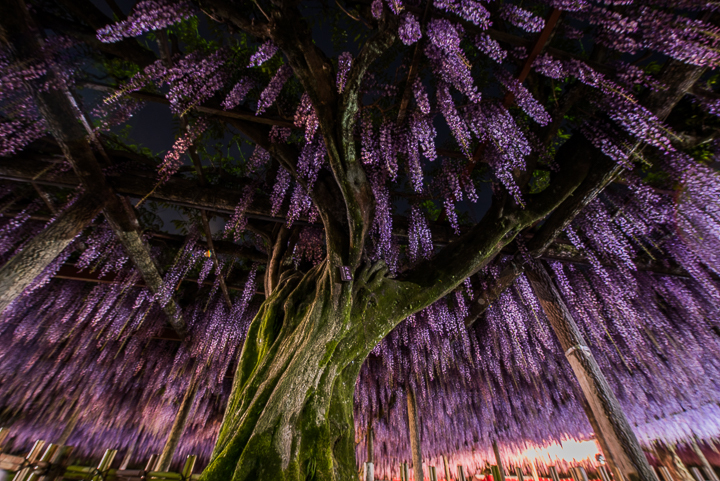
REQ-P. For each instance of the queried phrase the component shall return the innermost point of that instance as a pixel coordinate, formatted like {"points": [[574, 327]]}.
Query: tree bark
{"points": [[178, 428], [414, 434], [290, 413], [41, 250], [622, 442]]}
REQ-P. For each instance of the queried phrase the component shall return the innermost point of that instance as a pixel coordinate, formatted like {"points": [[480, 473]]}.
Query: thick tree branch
{"points": [[435, 278], [679, 78]]}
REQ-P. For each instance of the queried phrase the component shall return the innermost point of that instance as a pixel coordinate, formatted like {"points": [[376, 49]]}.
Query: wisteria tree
{"points": [[386, 169]]}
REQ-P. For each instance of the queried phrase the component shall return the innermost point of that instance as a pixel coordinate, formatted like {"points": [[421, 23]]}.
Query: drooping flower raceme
{"points": [[263, 54], [524, 98], [172, 163], [238, 93], [268, 96], [146, 16], [344, 64], [448, 60], [490, 47], [522, 18], [409, 29]]}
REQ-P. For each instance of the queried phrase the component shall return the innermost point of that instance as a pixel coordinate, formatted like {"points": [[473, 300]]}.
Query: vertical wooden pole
{"points": [[447, 468], [178, 428], [59, 461], [369, 442], [69, 427], [433, 474], [536, 477], [405, 472], [413, 423], [461, 473], [519, 474], [600, 438], [32, 457], [670, 459], [130, 450], [369, 465], [554, 474], [369, 472], [496, 449], [709, 471], [3, 435], [624, 447], [17, 273], [105, 463], [189, 466]]}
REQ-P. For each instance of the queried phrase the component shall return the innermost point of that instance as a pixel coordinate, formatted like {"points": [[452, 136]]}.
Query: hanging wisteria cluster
{"points": [[103, 352]]}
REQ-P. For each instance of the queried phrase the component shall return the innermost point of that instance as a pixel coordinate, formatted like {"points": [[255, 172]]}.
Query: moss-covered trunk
{"points": [[290, 414]]}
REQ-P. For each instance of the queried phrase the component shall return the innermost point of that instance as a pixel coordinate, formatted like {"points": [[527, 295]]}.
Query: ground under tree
{"points": [[392, 142]]}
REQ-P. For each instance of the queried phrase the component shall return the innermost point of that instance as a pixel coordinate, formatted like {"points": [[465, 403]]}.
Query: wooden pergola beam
{"points": [[72, 132], [186, 193]]}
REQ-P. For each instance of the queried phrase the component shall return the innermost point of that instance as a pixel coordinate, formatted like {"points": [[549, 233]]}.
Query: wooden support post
{"points": [[369, 472], [496, 473], [369, 443], [152, 462], [554, 474], [58, 463], [178, 427], [604, 473], [697, 474], [32, 457], [624, 447], [461, 473], [44, 460], [536, 477], [433, 474], [496, 450], [189, 466], [670, 460], [413, 423], [3, 435], [447, 468], [105, 463], [578, 473], [600, 438], [69, 427], [405, 472], [76, 138], [707, 468], [41, 250], [519, 474]]}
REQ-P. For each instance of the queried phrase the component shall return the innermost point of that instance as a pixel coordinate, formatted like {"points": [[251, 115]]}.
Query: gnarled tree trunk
{"points": [[290, 414]]}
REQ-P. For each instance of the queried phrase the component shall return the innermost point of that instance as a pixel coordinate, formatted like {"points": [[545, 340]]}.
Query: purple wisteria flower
{"points": [[409, 29], [238, 93], [147, 15], [263, 54], [268, 96], [344, 64], [522, 18]]}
